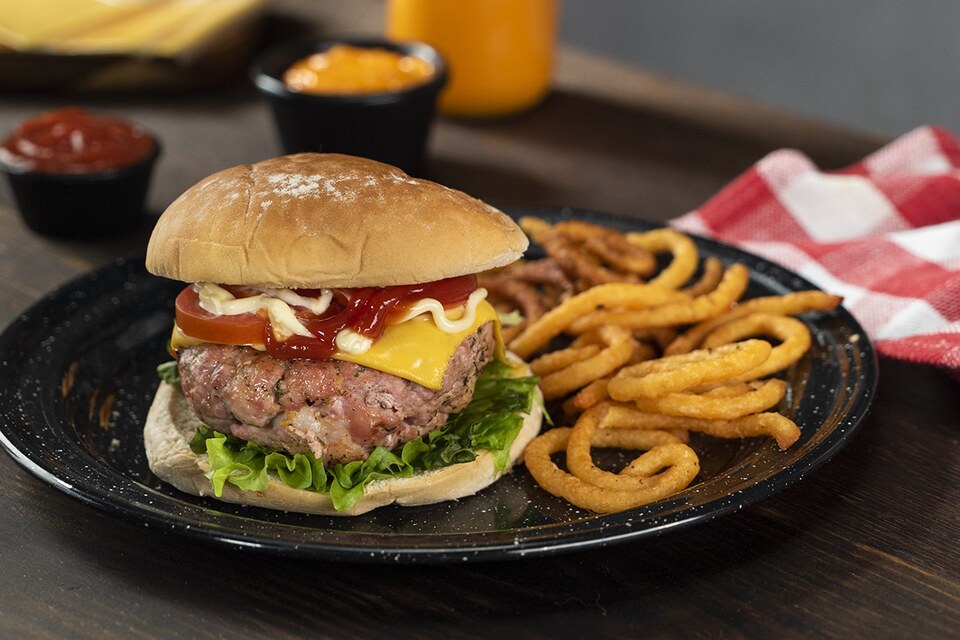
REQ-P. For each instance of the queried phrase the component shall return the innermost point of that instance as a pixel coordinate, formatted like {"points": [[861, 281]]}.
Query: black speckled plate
{"points": [[77, 374]]}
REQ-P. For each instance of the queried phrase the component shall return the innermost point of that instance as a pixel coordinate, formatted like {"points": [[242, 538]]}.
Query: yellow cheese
{"points": [[180, 340], [415, 350]]}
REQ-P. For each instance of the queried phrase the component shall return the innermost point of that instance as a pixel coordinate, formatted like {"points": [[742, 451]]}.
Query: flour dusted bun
{"points": [[171, 423], [323, 220]]}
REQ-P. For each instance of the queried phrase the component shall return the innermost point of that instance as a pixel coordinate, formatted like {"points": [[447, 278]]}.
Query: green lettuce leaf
{"points": [[169, 372], [510, 318], [490, 422]]}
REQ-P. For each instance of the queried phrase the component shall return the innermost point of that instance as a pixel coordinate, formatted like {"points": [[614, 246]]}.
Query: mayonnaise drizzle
{"points": [[440, 317], [277, 304], [217, 300], [317, 306], [349, 341]]}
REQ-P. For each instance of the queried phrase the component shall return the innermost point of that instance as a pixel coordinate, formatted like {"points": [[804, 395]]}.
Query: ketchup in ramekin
{"points": [[77, 174], [73, 140]]}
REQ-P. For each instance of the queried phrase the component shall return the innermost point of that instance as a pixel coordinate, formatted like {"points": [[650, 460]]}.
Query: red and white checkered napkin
{"points": [[884, 234]]}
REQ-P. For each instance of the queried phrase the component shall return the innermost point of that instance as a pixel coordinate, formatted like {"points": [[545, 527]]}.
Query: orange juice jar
{"points": [[500, 52]]}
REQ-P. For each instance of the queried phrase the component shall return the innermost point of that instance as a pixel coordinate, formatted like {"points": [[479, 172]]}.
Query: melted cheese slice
{"points": [[415, 350]]}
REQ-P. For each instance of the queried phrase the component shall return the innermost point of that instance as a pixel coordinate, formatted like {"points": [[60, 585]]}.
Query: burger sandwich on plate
{"points": [[333, 351]]}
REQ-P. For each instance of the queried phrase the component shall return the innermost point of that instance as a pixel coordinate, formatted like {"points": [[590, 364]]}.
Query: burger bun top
{"points": [[324, 220]]}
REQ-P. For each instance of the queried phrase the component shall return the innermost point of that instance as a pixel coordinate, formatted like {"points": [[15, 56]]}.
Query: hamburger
{"points": [[332, 349]]}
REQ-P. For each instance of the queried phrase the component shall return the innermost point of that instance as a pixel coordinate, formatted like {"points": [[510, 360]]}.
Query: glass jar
{"points": [[500, 52]]}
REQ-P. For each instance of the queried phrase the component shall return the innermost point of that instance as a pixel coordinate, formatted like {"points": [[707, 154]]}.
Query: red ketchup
{"points": [[72, 140], [367, 311]]}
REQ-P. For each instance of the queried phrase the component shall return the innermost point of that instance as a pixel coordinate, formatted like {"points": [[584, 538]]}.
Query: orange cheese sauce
{"points": [[345, 69]]}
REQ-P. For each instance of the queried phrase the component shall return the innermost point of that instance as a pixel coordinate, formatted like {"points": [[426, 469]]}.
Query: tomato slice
{"points": [[196, 322]]}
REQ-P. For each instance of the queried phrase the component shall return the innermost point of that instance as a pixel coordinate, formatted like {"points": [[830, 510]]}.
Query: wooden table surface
{"points": [[865, 547]]}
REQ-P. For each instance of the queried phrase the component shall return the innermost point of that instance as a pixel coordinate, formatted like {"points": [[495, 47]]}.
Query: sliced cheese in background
{"points": [[415, 350], [31, 24], [163, 28]]}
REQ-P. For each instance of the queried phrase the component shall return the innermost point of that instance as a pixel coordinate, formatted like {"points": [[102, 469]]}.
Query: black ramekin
{"points": [[88, 206], [391, 127]]}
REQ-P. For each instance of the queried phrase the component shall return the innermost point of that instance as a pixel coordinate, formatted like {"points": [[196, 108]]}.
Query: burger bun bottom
{"points": [[171, 424]]}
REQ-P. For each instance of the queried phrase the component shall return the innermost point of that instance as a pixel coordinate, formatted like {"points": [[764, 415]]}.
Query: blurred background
{"points": [[869, 70], [879, 66]]}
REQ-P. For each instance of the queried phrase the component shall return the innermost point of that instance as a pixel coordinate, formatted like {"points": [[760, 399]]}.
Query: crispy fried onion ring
{"points": [[520, 284], [657, 377], [530, 287], [558, 319], [544, 272], [794, 339], [777, 426], [592, 394], [668, 466], [516, 293], [594, 254], [709, 278], [790, 304], [685, 256], [685, 311], [570, 369], [717, 404], [663, 452], [535, 228]]}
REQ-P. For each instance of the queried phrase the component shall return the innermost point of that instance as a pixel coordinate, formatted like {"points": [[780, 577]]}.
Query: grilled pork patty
{"points": [[339, 411]]}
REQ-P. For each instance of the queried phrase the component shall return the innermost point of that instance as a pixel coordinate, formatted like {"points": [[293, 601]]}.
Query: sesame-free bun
{"points": [[324, 220], [171, 423]]}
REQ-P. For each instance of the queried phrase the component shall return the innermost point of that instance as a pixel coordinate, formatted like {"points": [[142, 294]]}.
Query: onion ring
{"points": [[731, 287], [708, 280], [716, 406], [558, 319], [582, 494], [676, 373], [779, 427], [791, 304], [663, 451], [554, 361], [794, 339], [684, 251], [576, 367], [535, 228], [621, 255]]}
